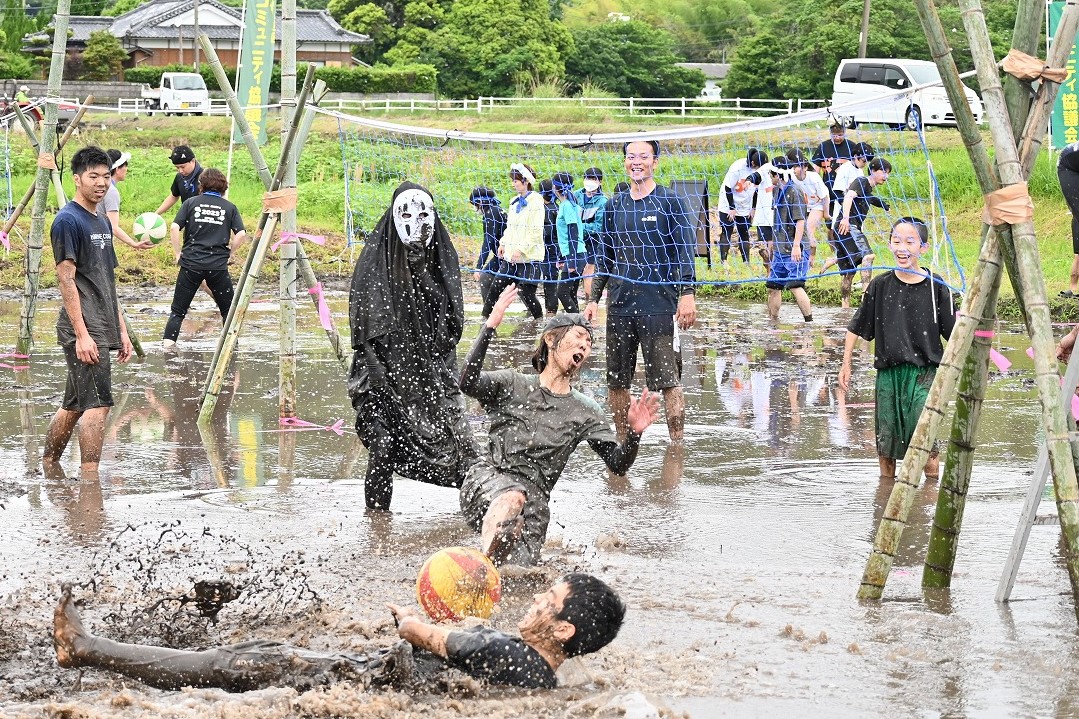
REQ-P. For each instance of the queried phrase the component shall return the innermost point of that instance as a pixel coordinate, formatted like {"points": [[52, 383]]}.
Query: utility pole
{"points": [[196, 35], [863, 38]]}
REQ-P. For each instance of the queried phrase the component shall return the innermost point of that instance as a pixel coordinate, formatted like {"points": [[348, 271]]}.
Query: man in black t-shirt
{"points": [[647, 257], [90, 322], [186, 183], [580, 614]]}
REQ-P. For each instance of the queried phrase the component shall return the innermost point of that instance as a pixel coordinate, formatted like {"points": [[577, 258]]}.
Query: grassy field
{"points": [[378, 167]]}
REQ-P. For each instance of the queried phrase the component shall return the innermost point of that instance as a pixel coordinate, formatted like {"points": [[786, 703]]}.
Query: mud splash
{"points": [[739, 554]]}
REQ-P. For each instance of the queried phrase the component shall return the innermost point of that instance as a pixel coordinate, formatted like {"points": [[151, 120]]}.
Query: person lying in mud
{"points": [[579, 614], [536, 423]]}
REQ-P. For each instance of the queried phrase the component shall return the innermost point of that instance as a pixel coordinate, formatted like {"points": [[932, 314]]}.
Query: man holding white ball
{"points": [[213, 229]]}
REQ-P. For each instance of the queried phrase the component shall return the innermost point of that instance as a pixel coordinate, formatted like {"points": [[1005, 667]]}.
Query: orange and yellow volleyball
{"points": [[458, 582]]}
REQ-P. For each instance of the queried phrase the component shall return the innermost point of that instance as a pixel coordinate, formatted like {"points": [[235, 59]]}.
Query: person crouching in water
{"points": [[536, 423]]}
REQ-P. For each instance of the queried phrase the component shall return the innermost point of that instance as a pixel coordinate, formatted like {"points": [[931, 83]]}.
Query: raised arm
{"points": [[472, 380]]}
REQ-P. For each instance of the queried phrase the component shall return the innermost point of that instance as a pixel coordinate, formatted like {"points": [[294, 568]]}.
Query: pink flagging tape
{"points": [[14, 367], [983, 333], [13, 355], [1030, 352], [5, 241], [999, 360], [323, 308], [295, 424], [293, 236]]}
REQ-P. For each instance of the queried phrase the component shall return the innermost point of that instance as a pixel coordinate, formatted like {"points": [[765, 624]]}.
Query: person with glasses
{"points": [[647, 248], [852, 246]]}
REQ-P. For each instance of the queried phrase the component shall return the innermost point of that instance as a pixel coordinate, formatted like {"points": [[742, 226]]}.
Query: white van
{"points": [[180, 92], [862, 79]]}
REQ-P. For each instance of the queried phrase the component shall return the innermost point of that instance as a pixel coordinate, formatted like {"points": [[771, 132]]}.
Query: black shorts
{"points": [[88, 385], [849, 251], [654, 334]]}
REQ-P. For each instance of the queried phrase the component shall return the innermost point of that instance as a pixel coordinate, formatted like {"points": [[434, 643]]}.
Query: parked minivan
{"points": [[863, 79]]}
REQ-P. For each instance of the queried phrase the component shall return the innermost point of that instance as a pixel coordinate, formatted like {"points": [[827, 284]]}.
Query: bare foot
{"points": [[68, 634]]}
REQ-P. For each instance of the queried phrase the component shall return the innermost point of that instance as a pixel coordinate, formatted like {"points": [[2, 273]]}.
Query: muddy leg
{"points": [[932, 466], [502, 525], [845, 283], [674, 403], [887, 467], [92, 436], [378, 484], [619, 399], [59, 433]]}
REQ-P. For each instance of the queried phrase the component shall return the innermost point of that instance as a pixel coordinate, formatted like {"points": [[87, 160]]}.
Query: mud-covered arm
{"points": [[618, 457], [474, 381]]}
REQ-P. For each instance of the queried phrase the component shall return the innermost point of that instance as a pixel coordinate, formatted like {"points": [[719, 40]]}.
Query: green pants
{"points": [[901, 394]]}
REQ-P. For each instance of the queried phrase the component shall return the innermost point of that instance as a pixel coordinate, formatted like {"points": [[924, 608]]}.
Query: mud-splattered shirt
{"points": [[498, 658]]}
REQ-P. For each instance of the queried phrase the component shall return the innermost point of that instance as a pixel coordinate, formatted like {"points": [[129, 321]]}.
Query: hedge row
{"points": [[366, 80]]}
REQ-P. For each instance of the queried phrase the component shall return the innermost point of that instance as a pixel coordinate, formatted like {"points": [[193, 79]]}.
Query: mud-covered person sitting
{"points": [[579, 614], [537, 421]]}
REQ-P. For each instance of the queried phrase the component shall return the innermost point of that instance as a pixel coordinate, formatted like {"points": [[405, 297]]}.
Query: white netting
{"points": [[378, 155]]}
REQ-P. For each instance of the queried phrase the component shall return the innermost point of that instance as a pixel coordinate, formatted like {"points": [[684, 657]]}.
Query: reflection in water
{"points": [[81, 501], [768, 507]]}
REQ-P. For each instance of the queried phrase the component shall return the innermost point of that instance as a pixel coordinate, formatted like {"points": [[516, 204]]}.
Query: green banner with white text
{"points": [[256, 65], [1065, 122]]}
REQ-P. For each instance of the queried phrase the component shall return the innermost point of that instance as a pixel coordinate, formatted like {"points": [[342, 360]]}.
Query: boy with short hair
{"points": [[907, 312], [852, 246]]}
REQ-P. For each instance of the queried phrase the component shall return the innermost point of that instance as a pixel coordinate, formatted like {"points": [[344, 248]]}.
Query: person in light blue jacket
{"points": [[592, 203], [571, 244]]}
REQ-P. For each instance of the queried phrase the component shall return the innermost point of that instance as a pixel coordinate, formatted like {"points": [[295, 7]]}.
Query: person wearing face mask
{"points": [[592, 202], [406, 312], [537, 421]]}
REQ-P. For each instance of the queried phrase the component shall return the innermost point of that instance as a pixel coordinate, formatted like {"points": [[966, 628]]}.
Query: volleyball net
{"points": [[694, 162]]}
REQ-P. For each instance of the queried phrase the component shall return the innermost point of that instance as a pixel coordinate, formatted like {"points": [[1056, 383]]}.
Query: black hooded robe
{"points": [[406, 311]]}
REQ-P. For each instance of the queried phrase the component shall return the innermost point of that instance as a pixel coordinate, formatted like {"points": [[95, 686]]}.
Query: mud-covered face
{"points": [[414, 217]]}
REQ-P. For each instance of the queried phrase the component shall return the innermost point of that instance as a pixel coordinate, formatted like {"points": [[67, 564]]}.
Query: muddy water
{"points": [[739, 555]]}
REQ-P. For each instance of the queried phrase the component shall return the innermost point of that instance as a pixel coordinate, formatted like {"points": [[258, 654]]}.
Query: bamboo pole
{"points": [[234, 320], [28, 127], [1026, 36], [36, 237], [984, 281], [1039, 323], [956, 474], [310, 87], [59, 146], [213, 388], [286, 395]]}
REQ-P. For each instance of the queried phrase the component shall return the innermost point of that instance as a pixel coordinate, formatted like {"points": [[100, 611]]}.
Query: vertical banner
{"points": [[1065, 122], [256, 64]]}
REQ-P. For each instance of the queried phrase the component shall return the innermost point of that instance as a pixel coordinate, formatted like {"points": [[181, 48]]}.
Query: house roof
{"points": [[152, 21]]}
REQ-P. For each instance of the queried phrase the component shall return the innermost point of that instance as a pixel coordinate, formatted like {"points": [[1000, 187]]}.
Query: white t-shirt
{"points": [[763, 215], [736, 179], [847, 173], [815, 190]]}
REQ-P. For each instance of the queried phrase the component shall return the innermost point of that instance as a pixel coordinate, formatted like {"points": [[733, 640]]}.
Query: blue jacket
{"points": [[598, 202], [570, 237]]}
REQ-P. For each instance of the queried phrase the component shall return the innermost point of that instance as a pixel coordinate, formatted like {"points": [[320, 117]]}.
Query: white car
{"points": [[864, 80], [180, 92]]}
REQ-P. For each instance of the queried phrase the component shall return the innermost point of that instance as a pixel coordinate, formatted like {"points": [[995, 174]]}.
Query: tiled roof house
{"points": [[162, 32]]}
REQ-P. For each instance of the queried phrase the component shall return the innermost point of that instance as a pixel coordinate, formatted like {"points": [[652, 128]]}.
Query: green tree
{"points": [[630, 59], [795, 52], [488, 47], [16, 25], [103, 56]]}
